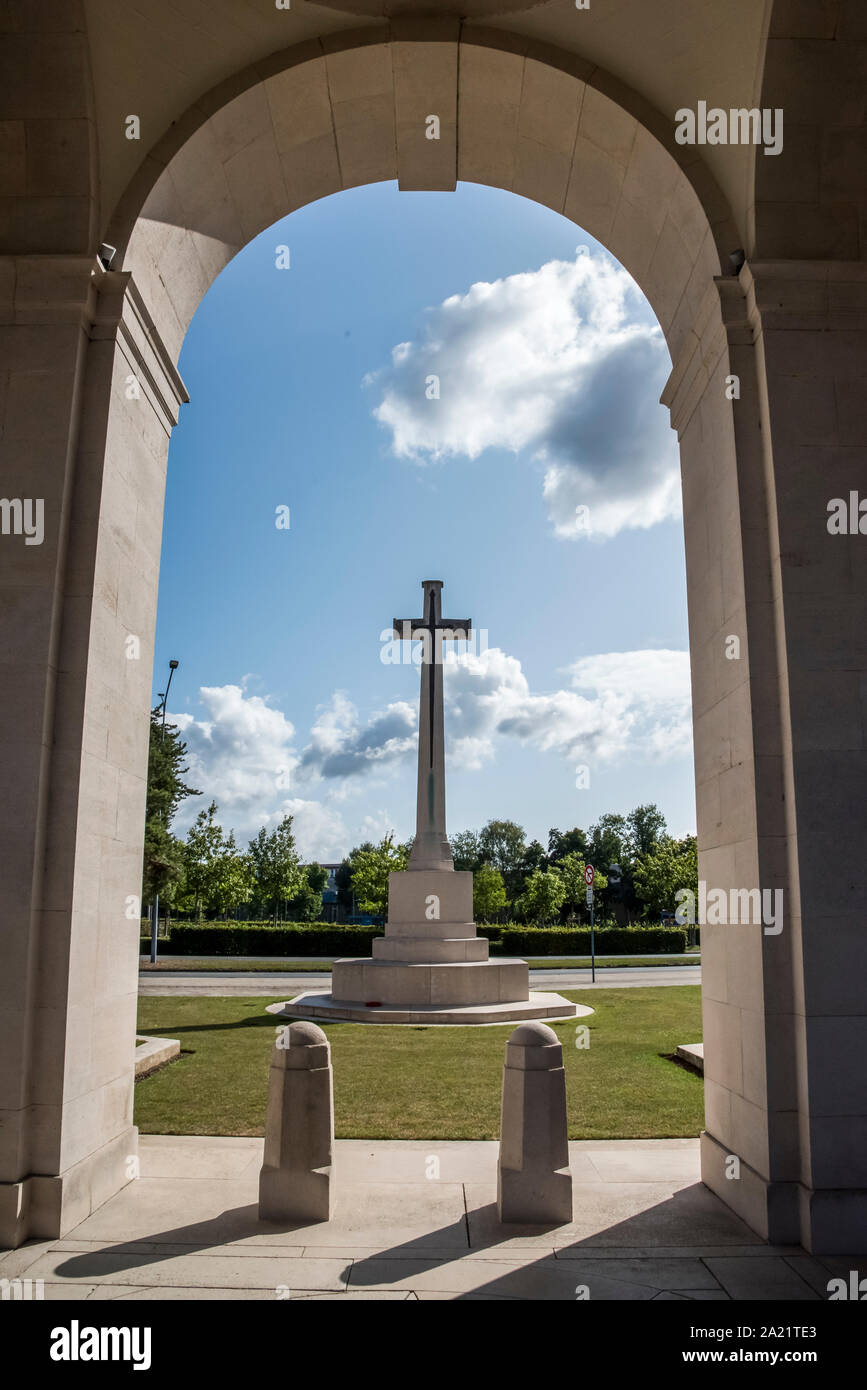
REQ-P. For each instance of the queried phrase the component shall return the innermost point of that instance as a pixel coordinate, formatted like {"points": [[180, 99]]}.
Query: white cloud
{"points": [[562, 362], [341, 746], [243, 755], [635, 703]]}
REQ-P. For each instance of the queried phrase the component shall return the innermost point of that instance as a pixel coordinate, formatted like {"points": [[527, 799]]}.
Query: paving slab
{"points": [[770, 1278], [541, 1278], [644, 1229], [220, 1270]]}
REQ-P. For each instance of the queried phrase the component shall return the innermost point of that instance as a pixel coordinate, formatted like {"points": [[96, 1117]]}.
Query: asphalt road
{"points": [[274, 984]]}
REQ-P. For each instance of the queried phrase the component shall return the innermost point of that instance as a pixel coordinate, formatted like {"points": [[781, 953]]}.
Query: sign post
{"points": [[589, 875]]}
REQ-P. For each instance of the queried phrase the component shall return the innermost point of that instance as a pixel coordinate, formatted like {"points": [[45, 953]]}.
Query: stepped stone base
{"points": [[447, 984], [430, 966], [325, 1006]]}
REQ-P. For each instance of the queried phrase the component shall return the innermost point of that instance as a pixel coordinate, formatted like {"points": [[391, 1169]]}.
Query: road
{"points": [[276, 984]]}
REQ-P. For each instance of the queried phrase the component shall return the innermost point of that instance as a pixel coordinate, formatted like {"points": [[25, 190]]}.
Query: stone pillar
{"points": [[295, 1180], [88, 400], [767, 399], [810, 324], [533, 1180]]}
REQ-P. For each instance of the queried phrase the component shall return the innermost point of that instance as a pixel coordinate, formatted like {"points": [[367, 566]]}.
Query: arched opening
{"points": [[352, 111]]}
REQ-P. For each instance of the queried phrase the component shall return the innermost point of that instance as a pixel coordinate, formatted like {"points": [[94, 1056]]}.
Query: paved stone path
{"points": [[644, 1228], [276, 984]]}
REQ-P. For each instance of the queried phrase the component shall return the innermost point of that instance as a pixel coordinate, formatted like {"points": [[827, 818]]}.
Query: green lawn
{"points": [[266, 965], [428, 1083]]}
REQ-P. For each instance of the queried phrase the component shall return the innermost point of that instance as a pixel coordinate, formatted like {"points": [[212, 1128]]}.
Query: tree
{"points": [[277, 870], [607, 841], [489, 893], [343, 877], [534, 857], [465, 850], [563, 842], [202, 850], [502, 845], [669, 866], [646, 829], [306, 906], [163, 861], [232, 880], [542, 898], [370, 872]]}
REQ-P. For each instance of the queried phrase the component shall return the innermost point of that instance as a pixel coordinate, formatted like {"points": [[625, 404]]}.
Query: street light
{"points": [[163, 695]]}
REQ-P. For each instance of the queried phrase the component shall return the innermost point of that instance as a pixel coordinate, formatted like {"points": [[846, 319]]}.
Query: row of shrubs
{"points": [[296, 939]]}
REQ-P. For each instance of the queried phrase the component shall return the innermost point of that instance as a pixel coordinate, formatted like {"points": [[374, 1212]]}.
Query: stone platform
{"points": [[309, 1004], [430, 966], [644, 1228]]}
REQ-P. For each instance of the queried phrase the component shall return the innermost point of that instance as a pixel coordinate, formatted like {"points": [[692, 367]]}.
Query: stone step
{"points": [[430, 930], [448, 984], [425, 950], [312, 1005]]}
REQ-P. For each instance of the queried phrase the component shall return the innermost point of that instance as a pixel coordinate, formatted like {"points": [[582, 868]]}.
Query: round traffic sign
{"points": [[589, 875]]}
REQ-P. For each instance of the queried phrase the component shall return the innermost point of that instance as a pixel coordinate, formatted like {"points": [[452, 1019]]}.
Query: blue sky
{"points": [[310, 389]]}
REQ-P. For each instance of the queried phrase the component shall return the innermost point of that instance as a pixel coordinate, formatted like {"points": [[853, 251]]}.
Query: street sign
{"points": [[589, 875], [589, 896]]}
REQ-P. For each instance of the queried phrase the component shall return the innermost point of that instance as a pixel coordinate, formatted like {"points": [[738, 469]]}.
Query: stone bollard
{"points": [[295, 1179], [533, 1179]]}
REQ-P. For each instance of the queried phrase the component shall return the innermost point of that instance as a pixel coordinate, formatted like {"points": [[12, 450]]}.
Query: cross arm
{"points": [[414, 629]]}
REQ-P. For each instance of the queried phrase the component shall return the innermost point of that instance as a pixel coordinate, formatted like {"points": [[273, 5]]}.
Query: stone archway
{"points": [[329, 114]]}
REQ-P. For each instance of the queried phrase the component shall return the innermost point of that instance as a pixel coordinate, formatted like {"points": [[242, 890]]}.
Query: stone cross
{"points": [[431, 849]]}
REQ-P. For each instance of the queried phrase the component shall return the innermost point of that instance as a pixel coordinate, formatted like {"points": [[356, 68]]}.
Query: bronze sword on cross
{"points": [[431, 849]]}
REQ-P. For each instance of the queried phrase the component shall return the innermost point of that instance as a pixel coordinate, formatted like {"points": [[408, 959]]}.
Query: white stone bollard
{"points": [[533, 1179], [295, 1179]]}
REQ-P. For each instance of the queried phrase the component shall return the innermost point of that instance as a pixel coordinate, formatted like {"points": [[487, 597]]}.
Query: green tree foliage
{"points": [[534, 857], [306, 906], [489, 893], [542, 898], [668, 866], [344, 876], [202, 852], [571, 872], [563, 842], [232, 880], [163, 862], [502, 844], [646, 827], [466, 851], [607, 841], [370, 871], [276, 867]]}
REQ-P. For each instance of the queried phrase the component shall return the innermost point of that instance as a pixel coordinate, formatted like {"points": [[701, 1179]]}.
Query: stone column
{"points": [[810, 322], [767, 399], [295, 1180], [534, 1184], [90, 397]]}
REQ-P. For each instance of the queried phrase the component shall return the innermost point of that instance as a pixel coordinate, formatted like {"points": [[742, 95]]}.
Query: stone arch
{"points": [[329, 115], [772, 775], [351, 110]]}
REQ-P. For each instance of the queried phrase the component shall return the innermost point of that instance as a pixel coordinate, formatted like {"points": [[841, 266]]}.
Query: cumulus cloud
{"points": [[242, 751], [562, 362], [619, 703], [342, 746]]}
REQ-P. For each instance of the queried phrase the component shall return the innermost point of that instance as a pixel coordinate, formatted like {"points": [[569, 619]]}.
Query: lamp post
{"points": [[164, 695]]}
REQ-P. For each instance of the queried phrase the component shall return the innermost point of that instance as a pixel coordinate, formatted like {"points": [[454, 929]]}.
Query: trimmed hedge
{"points": [[575, 941], [297, 939], [258, 939]]}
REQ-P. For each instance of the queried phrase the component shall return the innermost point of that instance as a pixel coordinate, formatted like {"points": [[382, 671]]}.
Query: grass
{"points": [[268, 965], [428, 1083]]}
